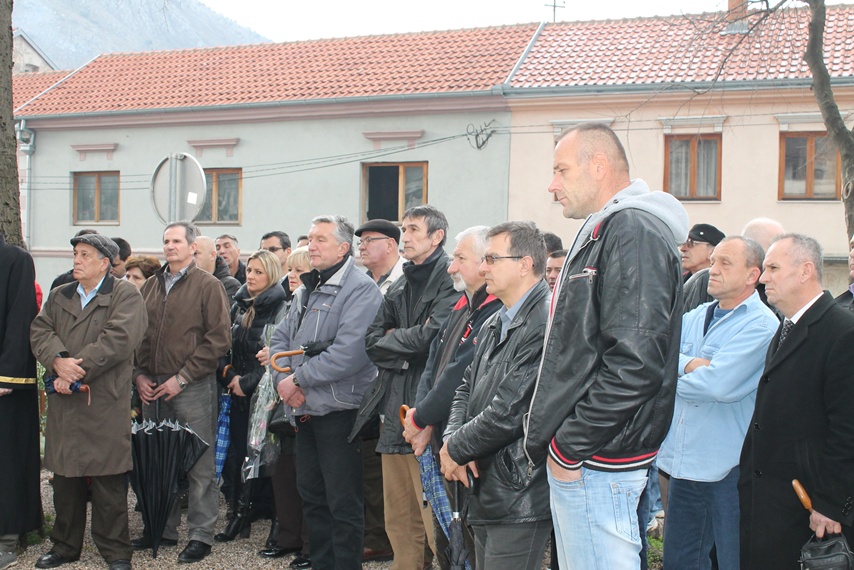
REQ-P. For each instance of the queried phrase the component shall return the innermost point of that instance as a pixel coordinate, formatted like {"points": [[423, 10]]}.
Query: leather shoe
{"points": [[300, 562], [53, 559], [144, 542], [371, 555], [120, 565], [195, 551], [277, 552]]}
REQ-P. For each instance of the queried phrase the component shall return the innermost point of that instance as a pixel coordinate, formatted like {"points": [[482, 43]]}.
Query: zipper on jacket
{"points": [[588, 272]]}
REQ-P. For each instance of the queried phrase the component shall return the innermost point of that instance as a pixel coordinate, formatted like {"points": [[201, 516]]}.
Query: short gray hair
{"points": [[805, 249], [479, 239], [190, 230], [435, 219], [525, 240], [344, 230], [753, 251]]}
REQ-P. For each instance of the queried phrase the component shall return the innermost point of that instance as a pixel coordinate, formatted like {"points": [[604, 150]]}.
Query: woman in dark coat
{"points": [[258, 303]]}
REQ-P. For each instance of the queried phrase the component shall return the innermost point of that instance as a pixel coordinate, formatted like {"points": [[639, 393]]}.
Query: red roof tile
{"points": [[25, 86], [435, 62], [683, 49]]}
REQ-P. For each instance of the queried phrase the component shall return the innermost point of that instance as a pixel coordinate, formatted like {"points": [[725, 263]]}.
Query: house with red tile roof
{"points": [[464, 119], [724, 120]]}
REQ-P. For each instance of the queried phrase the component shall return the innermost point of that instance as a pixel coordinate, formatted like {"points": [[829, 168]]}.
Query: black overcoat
{"points": [[20, 496], [802, 428]]}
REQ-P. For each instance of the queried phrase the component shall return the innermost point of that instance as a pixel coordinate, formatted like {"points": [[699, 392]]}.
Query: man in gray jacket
{"points": [[336, 303]]}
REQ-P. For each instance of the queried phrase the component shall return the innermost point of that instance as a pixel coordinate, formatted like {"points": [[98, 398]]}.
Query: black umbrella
{"points": [[161, 454], [457, 551]]}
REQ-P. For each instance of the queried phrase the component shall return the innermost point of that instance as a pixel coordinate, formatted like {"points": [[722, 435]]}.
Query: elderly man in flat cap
{"points": [[695, 253], [379, 251], [86, 333]]}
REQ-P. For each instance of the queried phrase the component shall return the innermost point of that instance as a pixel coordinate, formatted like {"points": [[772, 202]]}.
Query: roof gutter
{"points": [[698, 87], [488, 93], [525, 53]]}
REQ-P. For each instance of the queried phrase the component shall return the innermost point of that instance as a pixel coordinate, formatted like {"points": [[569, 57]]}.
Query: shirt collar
{"points": [[805, 308]]}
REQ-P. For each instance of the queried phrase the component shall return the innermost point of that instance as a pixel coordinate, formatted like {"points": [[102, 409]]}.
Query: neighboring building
{"points": [[368, 126], [734, 144], [26, 55]]}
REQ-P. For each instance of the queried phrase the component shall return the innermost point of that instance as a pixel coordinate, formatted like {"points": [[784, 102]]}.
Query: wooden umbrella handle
{"points": [[802, 494], [403, 410], [85, 388], [284, 354]]}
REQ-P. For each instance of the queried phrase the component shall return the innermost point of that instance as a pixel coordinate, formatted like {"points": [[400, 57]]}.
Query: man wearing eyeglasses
{"points": [[379, 242], [279, 244]]}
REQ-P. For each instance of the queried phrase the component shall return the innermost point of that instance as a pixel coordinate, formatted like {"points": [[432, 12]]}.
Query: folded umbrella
{"points": [[161, 454], [223, 433], [75, 387], [828, 553]]}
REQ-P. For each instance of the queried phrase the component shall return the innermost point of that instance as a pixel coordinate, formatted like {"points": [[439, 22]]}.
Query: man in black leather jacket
{"points": [[509, 509], [398, 342], [605, 392]]}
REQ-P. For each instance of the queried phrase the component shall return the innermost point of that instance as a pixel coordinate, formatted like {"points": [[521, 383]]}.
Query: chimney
{"points": [[736, 17]]}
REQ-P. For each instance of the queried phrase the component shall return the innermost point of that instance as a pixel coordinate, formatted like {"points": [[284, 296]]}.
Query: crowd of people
{"points": [[558, 392]]}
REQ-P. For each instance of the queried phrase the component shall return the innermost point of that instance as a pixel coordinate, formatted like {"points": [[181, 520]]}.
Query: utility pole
{"points": [[554, 6]]}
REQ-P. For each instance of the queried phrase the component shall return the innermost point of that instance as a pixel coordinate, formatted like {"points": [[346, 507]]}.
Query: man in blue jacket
{"points": [[720, 362], [336, 303]]}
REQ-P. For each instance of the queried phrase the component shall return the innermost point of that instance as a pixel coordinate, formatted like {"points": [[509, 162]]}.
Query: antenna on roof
{"points": [[554, 6]]}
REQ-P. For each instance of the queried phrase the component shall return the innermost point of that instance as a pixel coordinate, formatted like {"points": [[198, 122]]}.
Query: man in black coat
{"points": [[803, 426], [20, 496]]}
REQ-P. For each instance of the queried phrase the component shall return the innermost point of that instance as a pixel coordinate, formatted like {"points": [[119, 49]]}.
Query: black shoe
{"points": [[53, 559], [300, 562], [120, 565], [144, 542], [195, 551], [273, 536], [276, 552]]}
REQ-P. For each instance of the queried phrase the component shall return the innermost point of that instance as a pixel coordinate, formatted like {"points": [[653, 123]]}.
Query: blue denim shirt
{"points": [[714, 403]]}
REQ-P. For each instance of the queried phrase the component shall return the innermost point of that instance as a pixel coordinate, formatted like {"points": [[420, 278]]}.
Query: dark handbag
{"points": [[829, 553], [279, 423]]}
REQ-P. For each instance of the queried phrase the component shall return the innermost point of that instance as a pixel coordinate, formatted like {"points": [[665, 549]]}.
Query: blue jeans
{"points": [[596, 520], [700, 515]]}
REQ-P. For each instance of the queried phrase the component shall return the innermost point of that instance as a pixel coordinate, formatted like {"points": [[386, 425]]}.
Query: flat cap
{"points": [[706, 233], [103, 244], [384, 227]]}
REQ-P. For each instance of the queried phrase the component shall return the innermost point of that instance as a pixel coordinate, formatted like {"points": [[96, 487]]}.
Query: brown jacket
{"points": [[81, 439], [188, 330]]}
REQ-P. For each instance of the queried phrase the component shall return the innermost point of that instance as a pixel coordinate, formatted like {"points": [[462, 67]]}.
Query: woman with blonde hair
{"points": [[258, 303]]}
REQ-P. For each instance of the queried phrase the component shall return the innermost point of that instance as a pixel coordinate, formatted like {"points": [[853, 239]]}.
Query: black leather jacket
{"points": [[607, 383], [402, 354], [486, 418]]}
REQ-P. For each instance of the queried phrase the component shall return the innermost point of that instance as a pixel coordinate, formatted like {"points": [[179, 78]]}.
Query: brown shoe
{"points": [[371, 555]]}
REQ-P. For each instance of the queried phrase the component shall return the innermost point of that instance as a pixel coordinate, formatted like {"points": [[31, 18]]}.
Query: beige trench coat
{"points": [[83, 440]]}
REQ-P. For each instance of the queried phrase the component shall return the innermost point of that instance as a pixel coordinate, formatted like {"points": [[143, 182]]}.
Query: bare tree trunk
{"points": [[10, 195], [836, 129]]}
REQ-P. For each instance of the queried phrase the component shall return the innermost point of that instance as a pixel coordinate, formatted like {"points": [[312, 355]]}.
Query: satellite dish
{"points": [[178, 188]]}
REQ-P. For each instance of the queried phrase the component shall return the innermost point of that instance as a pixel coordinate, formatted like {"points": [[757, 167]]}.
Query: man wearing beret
{"points": [[379, 245], [85, 336], [695, 253]]}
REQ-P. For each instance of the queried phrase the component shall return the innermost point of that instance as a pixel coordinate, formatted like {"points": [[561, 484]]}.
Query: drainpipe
{"points": [[27, 145]]}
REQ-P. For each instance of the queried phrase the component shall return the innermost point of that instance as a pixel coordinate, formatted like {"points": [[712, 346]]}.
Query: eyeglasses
{"points": [[691, 242], [368, 240], [274, 249], [491, 259]]}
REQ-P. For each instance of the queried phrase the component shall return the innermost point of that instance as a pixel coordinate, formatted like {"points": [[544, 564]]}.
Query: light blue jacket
{"points": [[714, 403]]}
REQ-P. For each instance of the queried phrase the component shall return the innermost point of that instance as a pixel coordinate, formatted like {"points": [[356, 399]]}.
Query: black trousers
{"points": [[109, 516], [331, 484]]}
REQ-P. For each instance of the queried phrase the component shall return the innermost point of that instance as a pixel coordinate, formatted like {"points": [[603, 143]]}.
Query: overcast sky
{"points": [[288, 20]]}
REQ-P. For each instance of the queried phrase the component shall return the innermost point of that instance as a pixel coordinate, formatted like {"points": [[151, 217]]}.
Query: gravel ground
{"points": [[236, 554]]}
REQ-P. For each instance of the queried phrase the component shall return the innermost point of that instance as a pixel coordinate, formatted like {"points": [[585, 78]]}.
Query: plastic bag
{"points": [[262, 446]]}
